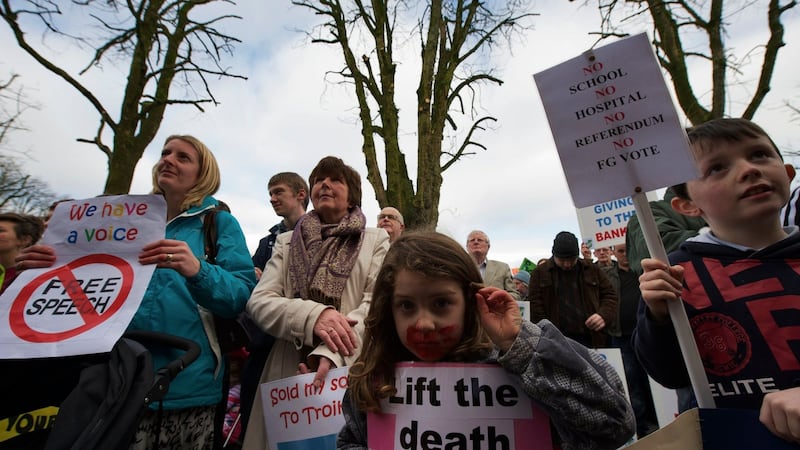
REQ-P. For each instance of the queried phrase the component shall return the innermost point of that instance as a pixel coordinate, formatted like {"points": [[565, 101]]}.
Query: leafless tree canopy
{"points": [[12, 105], [22, 193], [455, 39], [677, 27], [162, 43], [19, 191]]}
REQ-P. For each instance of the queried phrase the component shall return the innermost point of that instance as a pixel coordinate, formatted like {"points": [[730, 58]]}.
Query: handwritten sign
{"points": [[447, 405], [85, 301], [614, 124], [606, 224], [299, 416]]}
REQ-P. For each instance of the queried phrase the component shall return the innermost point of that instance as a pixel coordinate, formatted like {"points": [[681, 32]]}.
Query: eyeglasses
{"points": [[388, 216]]}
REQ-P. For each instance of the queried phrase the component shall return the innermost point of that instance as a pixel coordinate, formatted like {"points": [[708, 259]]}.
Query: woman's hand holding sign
{"points": [[171, 254], [35, 257]]}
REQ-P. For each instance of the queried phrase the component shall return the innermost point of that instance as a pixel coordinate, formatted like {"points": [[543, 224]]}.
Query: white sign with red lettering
{"points": [[85, 301], [614, 123], [299, 416]]}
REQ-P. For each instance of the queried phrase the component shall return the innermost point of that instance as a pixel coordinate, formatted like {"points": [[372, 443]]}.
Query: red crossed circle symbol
{"points": [[82, 304]]}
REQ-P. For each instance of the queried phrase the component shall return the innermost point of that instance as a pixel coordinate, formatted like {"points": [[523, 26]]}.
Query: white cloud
{"points": [[286, 117]]}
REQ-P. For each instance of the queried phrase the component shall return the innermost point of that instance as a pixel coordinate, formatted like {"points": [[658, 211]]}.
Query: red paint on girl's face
{"points": [[432, 345], [428, 314]]}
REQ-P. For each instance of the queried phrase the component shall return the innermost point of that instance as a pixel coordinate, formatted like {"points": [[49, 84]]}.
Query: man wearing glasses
{"points": [[494, 273], [391, 220]]}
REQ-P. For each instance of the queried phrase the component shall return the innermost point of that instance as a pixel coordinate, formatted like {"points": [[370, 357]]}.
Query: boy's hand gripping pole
{"points": [[680, 321]]}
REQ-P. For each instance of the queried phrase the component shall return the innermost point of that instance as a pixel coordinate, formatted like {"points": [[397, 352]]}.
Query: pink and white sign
{"points": [[449, 405]]}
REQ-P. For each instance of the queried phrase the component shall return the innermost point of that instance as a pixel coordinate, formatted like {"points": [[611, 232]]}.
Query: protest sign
{"points": [[85, 301], [298, 416], [614, 123], [524, 309], [606, 224], [617, 134], [714, 429], [449, 405]]}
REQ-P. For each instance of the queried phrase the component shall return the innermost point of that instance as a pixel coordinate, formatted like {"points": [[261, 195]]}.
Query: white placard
{"points": [[614, 124], [606, 223], [451, 405], [85, 301], [299, 416]]}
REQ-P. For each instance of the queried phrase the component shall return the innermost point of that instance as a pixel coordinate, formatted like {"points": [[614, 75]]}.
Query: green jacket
{"points": [[673, 227]]}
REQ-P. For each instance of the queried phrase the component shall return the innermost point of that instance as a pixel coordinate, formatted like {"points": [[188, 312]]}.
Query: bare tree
{"points": [[453, 37], [19, 191], [160, 41], [12, 105], [677, 22]]}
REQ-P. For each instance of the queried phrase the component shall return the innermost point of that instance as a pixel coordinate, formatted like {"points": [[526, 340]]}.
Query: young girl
{"points": [[428, 305]]}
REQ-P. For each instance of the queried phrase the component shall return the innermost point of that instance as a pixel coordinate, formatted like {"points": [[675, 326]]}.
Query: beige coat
{"points": [[498, 274], [291, 320]]}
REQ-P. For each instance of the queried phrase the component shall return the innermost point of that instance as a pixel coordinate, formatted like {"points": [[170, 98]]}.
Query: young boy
{"points": [[740, 282]]}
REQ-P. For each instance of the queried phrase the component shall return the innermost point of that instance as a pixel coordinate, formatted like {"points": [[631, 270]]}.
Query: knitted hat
{"points": [[523, 275], [565, 245]]}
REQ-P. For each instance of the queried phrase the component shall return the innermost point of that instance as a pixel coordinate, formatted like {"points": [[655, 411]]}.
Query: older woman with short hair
{"points": [[317, 288]]}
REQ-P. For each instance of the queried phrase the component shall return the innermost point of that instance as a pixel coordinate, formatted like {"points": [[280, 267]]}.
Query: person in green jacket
{"points": [[673, 227]]}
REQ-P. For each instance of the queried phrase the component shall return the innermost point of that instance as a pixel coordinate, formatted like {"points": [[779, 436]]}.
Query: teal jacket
{"points": [[173, 303]]}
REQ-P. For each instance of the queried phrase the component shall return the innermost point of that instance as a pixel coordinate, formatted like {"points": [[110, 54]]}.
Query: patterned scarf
{"points": [[322, 256]]}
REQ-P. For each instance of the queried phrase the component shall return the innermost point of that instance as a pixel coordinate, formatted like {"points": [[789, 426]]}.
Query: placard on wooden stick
{"points": [[618, 135]]}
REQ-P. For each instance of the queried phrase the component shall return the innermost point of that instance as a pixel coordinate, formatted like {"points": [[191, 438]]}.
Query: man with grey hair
{"points": [[494, 273], [391, 220]]}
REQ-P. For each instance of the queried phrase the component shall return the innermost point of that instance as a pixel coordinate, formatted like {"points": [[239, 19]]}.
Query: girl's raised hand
{"points": [[500, 316]]}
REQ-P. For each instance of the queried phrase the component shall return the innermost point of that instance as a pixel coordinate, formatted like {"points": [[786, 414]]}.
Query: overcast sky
{"points": [[286, 117]]}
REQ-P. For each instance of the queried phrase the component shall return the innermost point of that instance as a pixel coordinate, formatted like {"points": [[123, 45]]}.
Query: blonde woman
{"points": [[184, 288]]}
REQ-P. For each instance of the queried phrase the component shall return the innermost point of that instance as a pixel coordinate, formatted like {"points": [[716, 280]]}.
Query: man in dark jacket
{"points": [[573, 293]]}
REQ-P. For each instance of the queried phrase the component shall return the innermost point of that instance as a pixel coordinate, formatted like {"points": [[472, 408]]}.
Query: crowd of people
{"points": [[325, 290]]}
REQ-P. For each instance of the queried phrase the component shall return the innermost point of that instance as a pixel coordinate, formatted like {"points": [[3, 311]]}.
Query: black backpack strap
{"points": [[210, 235]]}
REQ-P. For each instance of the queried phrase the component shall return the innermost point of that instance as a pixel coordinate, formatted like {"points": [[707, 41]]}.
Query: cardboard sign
{"points": [[714, 429], [448, 405], [606, 224], [85, 301], [614, 124], [299, 416]]}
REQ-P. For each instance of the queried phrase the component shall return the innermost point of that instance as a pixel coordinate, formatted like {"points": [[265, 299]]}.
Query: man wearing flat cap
{"points": [[573, 293]]}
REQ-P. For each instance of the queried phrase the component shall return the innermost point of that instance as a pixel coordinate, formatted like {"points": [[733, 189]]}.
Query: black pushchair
{"points": [[100, 398]]}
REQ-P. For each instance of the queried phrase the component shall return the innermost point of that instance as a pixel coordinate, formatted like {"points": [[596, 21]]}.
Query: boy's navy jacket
{"points": [[744, 310]]}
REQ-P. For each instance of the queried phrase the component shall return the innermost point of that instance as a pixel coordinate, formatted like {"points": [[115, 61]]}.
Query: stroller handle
{"points": [[191, 350]]}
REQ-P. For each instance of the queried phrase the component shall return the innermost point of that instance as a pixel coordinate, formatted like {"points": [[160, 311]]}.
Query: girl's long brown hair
{"points": [[434, 256]]}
